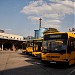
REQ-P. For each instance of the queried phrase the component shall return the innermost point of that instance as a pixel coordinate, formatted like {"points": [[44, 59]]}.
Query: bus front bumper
{"points": [[55, 62]]}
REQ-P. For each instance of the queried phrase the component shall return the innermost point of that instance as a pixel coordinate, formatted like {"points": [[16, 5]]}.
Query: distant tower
{"points": [[40, 23]]}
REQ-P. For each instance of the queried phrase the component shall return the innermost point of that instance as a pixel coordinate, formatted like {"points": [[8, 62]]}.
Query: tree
{"points": [[51, 30]]}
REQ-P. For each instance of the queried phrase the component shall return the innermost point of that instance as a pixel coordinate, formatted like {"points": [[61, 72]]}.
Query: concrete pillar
{"points": [[2, 46], [13, 47]]}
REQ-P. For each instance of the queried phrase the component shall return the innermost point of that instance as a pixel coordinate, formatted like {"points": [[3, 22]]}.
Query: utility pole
{"points": [[40, 23]]}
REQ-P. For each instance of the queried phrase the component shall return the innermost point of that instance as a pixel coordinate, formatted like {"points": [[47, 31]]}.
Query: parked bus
{"points": [[24, 45], [37, 47], [29, 47], [58, 48]]}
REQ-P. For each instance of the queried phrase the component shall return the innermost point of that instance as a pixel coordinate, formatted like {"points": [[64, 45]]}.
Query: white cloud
{"points": [[33, 18], [51, 13], [53, 16], [54, 21], [68, 3], [41, 7], [50, 24], [36, 7]]}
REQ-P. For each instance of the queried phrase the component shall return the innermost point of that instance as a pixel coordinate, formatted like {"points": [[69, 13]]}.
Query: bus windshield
{"points": [[55, 45]]}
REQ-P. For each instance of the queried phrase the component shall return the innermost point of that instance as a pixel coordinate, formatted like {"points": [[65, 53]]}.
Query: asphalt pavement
{"points": [[16, 63]]}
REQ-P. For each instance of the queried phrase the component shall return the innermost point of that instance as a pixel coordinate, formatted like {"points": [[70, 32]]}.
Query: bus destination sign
{"points": [[55, 36]]}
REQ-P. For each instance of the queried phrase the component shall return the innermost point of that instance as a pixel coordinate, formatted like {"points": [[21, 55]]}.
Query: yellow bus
{"points": [[29, 47], [37, 47], [58, 48], [24, 45]]}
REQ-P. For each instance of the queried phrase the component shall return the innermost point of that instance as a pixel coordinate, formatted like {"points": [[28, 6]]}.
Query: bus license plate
{"points": [[53, 62]]}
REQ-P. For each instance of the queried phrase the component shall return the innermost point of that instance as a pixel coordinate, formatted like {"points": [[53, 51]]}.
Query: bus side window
{"points": [[69, 47], [71, 40], [72, 46]]}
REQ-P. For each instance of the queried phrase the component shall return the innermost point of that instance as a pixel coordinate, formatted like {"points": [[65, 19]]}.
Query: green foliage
{"points": [[51, 30]]}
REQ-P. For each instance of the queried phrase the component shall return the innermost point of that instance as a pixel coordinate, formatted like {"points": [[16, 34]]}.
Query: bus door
{"points": [[35, 46], [39, 46], [71, 50]]}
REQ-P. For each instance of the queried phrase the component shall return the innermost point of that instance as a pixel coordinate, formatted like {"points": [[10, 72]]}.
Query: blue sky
{"points": [[22, 16]]}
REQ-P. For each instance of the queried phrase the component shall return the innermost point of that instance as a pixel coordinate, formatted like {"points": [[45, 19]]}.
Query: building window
{"points": [[11, 37]]}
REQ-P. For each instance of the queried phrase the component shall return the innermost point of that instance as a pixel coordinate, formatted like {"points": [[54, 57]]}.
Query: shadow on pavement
{"points": [[26, 70], [38, 69], [35, 67]]}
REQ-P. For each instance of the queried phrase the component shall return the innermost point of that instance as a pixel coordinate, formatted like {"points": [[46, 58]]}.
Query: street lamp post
{"points": [[40, 23]]}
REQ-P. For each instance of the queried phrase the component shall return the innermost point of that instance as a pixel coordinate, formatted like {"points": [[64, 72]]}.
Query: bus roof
{"points": [[69, 33], [59, 33]]}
